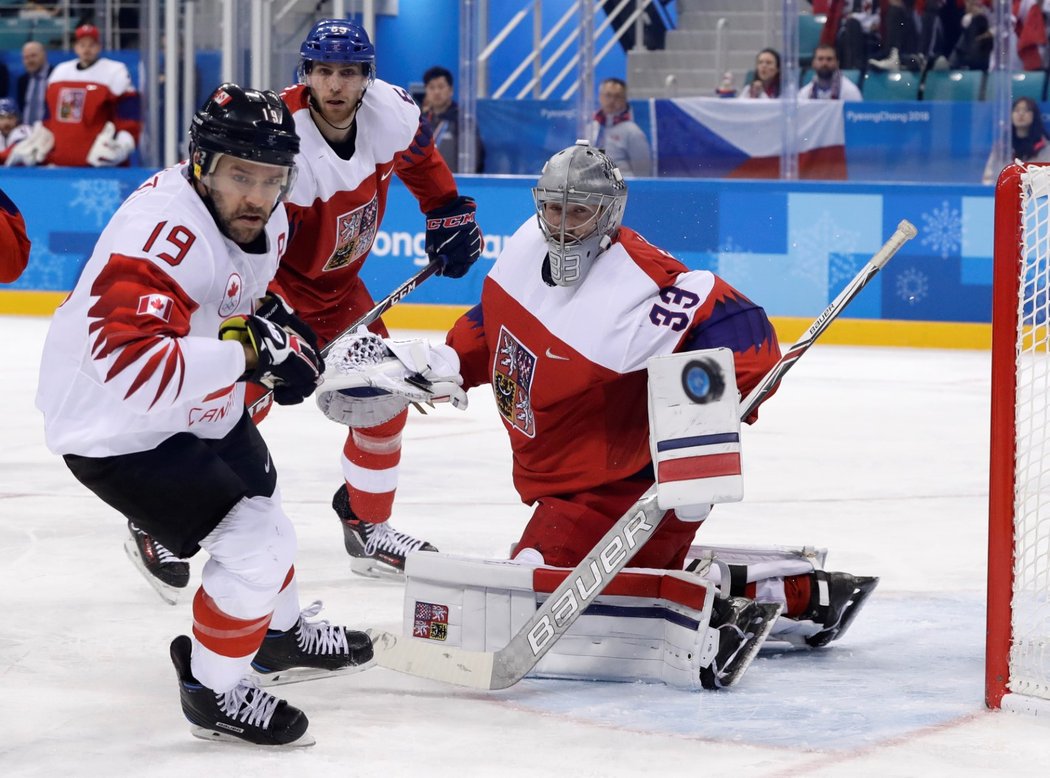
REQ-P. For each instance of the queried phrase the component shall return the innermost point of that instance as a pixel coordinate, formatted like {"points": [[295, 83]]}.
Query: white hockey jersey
{"points": [[133, 356]]}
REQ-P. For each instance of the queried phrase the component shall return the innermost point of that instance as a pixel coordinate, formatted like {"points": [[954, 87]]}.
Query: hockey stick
{"points": [[388, 302], [505, 667]]}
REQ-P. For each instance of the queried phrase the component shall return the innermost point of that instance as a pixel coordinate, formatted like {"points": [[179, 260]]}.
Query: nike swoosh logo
{"points": [[555, 356], [267, 466], [386, 175]]}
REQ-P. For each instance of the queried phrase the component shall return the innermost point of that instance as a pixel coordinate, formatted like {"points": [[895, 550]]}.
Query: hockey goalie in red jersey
{"points": [[142, 383], [572, 312], [93, 115]]}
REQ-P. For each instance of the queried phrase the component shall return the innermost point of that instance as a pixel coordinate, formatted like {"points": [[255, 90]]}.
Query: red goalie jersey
{"points": [[79, 103], [567, 365]]}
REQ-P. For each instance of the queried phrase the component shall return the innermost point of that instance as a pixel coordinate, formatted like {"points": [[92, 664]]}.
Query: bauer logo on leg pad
{"points": [[694, 428]]}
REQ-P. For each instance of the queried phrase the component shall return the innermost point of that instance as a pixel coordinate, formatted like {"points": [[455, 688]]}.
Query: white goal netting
{"points": [[1030, 611]]}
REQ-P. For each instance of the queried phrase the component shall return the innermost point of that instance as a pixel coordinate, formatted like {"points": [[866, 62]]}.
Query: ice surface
{"points": [[878, 454]]}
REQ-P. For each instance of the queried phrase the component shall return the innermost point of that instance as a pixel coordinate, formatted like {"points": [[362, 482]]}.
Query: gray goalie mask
{"points": [[578, 176]]}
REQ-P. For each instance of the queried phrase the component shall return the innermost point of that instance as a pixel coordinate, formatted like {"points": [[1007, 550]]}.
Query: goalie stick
{"points": [[388, 302], [505, 667]]}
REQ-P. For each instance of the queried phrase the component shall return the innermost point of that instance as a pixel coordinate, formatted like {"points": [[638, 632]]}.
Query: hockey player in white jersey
{"points": [[357, 134], [142, 383]]}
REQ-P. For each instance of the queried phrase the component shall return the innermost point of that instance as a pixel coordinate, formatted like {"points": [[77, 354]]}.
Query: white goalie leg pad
{"points": [[694, 430], [648, 625]]}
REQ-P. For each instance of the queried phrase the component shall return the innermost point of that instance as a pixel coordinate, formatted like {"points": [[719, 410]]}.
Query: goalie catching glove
{"points": [[110, 148], [370, 380], [285, 362], [453, 235], [34, 149]]}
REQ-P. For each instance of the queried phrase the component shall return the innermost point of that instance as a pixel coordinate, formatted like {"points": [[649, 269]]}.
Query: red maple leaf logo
{"points": [[232, 290], [156, 304]]}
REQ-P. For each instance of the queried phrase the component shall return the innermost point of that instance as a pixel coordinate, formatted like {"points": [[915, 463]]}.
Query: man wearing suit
{"points": [[31, 89]]}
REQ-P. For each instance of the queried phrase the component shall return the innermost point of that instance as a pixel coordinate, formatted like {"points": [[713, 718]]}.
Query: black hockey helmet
{"points": [[249, 124]]}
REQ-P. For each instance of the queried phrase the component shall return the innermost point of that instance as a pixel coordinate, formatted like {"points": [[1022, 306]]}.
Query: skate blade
{"points": [[217, 736], [169, 594], [756, 644], [373, 568], [300, 674]]}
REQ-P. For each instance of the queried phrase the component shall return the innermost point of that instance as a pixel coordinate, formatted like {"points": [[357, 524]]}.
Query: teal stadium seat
{"points": [[15, 31], [809, 29], [1028, 84], [891, 86], [953, 85]]}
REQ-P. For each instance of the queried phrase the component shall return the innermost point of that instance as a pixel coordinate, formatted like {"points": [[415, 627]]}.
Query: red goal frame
{"points": [[1005, 290]]}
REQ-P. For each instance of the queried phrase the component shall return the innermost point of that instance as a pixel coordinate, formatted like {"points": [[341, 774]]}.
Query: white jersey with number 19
{"points": [[133, 356]]}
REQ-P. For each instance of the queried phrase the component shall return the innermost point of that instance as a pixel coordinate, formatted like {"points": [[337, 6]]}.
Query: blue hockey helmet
{"points": [[8, 107], [337, 40]]}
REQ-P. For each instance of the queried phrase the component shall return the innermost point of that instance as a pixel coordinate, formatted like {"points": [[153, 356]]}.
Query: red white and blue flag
{"points": [[715, 138]]}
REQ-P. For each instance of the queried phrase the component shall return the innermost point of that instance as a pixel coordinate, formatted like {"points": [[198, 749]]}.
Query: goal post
{"points": [[1017, 657]]}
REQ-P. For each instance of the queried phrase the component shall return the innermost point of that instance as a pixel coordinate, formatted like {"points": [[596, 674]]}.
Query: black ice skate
{"points": [[376, 550], [165, 572], [244, 714], [743, 625], [835, 602], [310, 650]]}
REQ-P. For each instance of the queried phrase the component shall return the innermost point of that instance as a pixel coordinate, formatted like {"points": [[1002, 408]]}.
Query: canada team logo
{"points": [[512, 373], [431, 621], [71, 101], [232, 298], [157, 305], [354, 233]]}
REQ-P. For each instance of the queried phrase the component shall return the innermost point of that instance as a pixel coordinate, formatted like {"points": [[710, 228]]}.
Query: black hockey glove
{"points": [[286, 363], [454, 236], [274, 308]]}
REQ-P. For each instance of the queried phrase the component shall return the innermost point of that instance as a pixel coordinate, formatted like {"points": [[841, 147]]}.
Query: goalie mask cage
{"points": [[1017, 671]]}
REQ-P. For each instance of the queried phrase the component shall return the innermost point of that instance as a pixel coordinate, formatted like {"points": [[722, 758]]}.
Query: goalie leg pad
{"points": [[648, 625]]}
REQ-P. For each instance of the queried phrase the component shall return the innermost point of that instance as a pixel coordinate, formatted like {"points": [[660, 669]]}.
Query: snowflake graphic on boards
{"points": [[942, 230], [913, 286], [812, 249], [97, 196]]}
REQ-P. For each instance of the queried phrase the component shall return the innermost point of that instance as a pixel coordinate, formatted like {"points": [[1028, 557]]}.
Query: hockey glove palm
{"points": [[274, 308], [285, 362], [454, 235]]}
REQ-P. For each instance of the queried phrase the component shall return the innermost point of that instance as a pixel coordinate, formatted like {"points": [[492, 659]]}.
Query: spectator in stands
{"points": [[614, 130], [828, 82], [11, 128], [854, 27], [31, 88], [92, 111], [1029, 139], [1030, 26], [765, 83], [973, 50], [900, 40], [5, 80], [442, 112]]}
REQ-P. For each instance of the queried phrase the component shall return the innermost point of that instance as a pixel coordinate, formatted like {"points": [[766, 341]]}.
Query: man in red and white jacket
{"points": [[93, 116]]}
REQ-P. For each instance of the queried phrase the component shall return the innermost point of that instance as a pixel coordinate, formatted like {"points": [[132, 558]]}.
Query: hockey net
{"points": [[1018, 638]]}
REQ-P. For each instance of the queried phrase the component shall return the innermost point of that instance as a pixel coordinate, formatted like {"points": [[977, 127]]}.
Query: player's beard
{"points": [[243, 230]]}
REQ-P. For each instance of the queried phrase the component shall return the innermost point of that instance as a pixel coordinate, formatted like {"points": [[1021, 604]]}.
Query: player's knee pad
{"points": [[648, 625], [252, 550]]}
